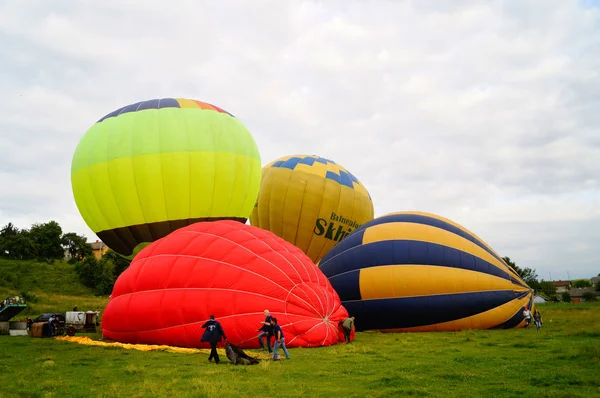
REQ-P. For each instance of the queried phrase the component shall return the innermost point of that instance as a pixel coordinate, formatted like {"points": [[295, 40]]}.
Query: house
{"points": [[594, 281], [577, 293], [562, 286], [99, 249]]}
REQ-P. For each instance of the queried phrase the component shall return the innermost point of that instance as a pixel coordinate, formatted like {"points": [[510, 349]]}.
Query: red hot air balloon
{"points": [[232, 270]]}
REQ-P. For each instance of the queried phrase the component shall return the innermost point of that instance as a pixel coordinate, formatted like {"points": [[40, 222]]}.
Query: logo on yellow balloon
{"points": [[336, 228]]}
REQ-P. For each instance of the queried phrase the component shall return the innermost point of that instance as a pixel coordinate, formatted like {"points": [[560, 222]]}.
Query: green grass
{"points": [[52, 287], [562, 360], [58, 277]]}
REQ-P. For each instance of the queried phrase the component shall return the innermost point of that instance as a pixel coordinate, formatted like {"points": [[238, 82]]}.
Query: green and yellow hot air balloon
{"points": [[149, 168]]}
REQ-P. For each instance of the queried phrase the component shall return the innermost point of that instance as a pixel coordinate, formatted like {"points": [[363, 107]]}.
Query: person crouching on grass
{"points": [[213, 334], [279, 340]]}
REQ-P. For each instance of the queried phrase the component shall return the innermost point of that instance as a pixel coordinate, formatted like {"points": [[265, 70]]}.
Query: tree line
{"points": [[547, 288], [47, 242], [530, 276]]}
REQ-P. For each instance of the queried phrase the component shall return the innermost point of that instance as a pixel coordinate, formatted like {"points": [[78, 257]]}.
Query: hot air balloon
{"points": [[231, 270], [414, 271], [149, 168], [311, 202]]}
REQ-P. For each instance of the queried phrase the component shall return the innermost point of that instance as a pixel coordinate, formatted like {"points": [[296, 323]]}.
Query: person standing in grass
{"points": [[537, 318], [212, 335], [267, 331], [348, 327], [279, 340], [527, 316], [51, 326]]}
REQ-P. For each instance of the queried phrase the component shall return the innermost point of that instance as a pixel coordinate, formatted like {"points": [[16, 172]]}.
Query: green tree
{"points": [[548, 288], [566, 297], [99, 275], [581, 283], [527, 274], [16, 244], [87, 270], [76, 245], [48, 240], [119, 263], [105, 277]]}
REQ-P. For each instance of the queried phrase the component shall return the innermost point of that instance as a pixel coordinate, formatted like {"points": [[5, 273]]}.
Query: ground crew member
{"points": [[348, 327], [212, 335]]}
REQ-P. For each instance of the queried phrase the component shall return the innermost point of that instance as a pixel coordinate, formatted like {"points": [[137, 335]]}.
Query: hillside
{"points": [[46, 287]]}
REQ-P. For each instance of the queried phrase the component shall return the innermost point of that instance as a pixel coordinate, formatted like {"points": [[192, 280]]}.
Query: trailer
{"points": [[82, 321], [10, 308]]}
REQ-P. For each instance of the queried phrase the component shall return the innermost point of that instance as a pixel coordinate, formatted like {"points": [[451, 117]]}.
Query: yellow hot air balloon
{"points": [[311, 202], [152, 167]]}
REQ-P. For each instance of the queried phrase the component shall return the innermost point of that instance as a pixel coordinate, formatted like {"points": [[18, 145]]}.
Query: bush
{"points": [[29, 297], [99, 275], [87, 271], [589, 296], [566, 297]]}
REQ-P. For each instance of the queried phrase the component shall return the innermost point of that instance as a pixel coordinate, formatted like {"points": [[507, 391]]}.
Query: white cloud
{"points": [[485, 113]]}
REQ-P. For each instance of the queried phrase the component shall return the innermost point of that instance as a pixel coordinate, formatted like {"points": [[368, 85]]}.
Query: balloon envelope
{"points": [[414, 271], [311, 202], [149, 168], [228, 269]]}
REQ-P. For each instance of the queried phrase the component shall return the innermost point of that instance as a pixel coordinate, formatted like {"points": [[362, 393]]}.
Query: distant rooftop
{"points": [[97, 245]]}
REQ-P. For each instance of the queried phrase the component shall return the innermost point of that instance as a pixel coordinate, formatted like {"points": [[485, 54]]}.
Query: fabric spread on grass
{"points": [[146, 347], [140, 347]]}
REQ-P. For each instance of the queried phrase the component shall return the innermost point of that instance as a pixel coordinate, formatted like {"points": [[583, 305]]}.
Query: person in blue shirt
{"points": [[279, 340], [267, 330], [212, 335]]}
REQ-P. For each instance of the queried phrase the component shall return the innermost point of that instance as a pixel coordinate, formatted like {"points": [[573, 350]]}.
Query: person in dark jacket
{"points": [[212, 335]]}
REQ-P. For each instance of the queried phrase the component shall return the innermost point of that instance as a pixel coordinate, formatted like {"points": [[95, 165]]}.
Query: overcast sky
{"points": [[487, 113]]}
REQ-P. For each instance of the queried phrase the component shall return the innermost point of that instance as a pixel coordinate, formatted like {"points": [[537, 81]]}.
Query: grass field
{"points": [[562, 360]]}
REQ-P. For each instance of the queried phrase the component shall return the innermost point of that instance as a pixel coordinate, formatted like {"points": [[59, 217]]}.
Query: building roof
{"points": [[561, 283], [580, 291], [97, 245]]}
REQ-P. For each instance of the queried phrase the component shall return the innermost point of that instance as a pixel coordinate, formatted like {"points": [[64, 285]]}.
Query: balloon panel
{"points": [[414, 271], [311, 202]]}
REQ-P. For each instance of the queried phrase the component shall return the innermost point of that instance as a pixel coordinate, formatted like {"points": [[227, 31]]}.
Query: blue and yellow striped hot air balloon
{"points": [[311, 202], [414, 271]]}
